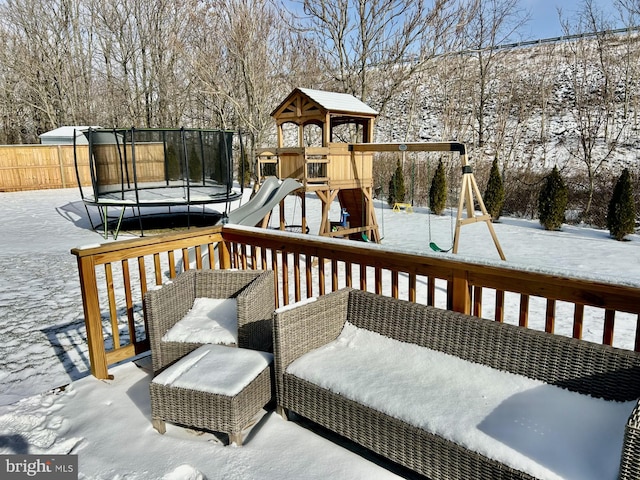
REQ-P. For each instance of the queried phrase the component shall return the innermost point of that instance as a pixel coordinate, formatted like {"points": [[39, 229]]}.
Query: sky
{"points": [[544, 21]]}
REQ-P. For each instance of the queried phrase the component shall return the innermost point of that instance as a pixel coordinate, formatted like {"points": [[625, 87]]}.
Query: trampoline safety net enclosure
{"points": [[158, 168]]}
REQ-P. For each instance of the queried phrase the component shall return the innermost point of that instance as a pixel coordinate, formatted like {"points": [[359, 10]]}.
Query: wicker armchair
{"points": [[166, 306]]}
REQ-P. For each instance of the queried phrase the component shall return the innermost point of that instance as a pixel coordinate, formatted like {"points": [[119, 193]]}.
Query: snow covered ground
{"points": [[107, 422]]}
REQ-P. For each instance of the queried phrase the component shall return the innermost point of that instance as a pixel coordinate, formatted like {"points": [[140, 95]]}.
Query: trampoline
{"points": [[151, 169]]}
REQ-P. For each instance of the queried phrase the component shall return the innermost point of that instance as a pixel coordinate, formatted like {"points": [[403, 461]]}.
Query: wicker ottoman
{"points": [[215, 388]]}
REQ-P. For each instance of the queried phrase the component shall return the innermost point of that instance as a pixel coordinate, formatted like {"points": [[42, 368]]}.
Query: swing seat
{"points": [[436, 248]]}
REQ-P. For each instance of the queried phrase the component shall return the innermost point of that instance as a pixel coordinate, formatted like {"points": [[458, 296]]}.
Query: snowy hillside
{"points": [[539, 103]]}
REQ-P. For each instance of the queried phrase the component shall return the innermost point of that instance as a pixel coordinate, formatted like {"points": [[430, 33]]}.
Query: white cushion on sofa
{"points": [[210, 320], [544, 430]]}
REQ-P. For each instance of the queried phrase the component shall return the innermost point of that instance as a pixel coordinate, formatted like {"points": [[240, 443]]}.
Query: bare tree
{"points": [[245, 71], [628, 10], [141, 60], [232, 67], [370, 48], [629, 14], [47, 49], [512, 108], [522, 103], [592, 74], [452, 83], [492, 22], [118, 45]]}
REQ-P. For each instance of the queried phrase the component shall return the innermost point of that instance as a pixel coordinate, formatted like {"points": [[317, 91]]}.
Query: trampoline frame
{"points": [[130, 189]]}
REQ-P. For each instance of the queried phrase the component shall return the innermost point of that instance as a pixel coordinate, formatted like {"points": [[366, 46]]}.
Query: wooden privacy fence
{"points": [[114, 278], [37, 167]]}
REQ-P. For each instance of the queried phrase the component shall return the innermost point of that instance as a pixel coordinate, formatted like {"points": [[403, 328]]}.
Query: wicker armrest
{"points": [[302, 327], [255, 313], [165, 306], [630, 458]]}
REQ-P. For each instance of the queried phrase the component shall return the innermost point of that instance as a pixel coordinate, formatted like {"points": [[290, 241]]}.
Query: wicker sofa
{"points": [[166, 306], [598, 373]]}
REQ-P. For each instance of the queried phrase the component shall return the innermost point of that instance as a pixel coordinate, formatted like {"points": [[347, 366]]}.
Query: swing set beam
{"points": [[469, 187], [410, 147]]}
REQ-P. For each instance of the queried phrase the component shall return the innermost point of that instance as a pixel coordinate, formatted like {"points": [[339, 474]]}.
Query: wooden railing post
{"points": [[460, 298], [225, 255], [92, 317]]}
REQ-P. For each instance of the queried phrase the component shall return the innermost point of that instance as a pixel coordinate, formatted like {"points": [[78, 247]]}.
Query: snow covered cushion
{"points": [[544, 430], [210, 320], [216, 369]]}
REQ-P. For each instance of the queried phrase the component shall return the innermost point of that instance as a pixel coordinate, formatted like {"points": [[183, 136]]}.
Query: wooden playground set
{"points": [[333, 158]]}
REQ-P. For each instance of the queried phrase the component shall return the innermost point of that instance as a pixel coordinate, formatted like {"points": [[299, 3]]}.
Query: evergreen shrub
{"points": [[173, 163], [195, 165], [552, 201], [494, 194], [621, 217], [397, 190], [438, 191], [246, 179]]}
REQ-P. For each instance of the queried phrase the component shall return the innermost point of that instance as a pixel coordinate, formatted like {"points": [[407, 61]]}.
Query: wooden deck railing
{"points": [[114, 278]]}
